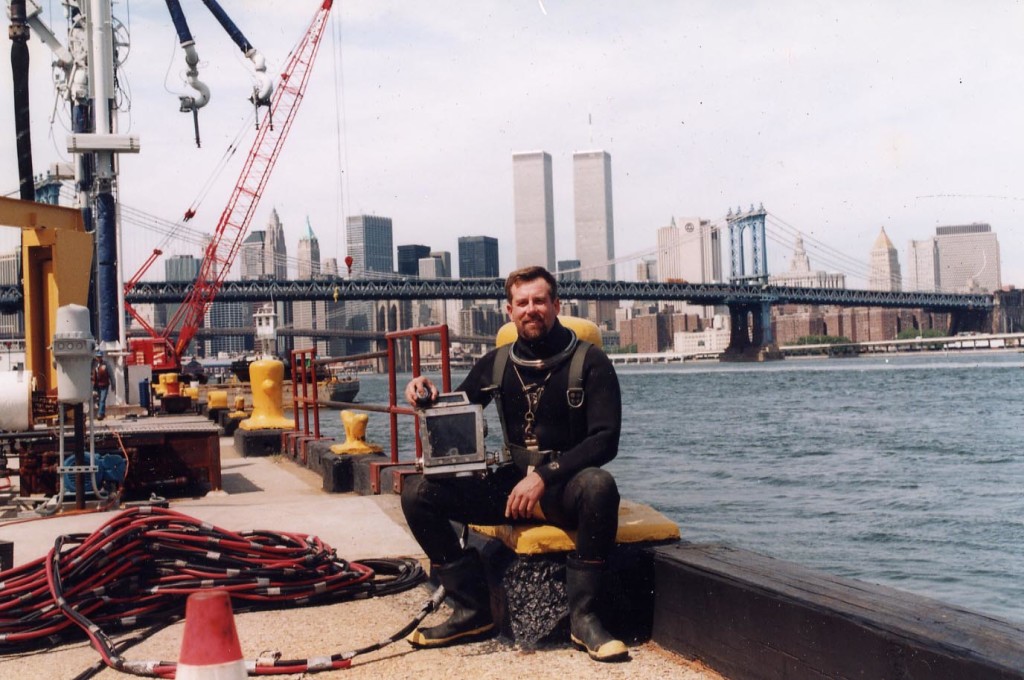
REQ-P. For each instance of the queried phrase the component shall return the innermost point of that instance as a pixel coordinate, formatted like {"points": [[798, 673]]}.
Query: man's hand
{"points": [[524, 497], [420, 390]]}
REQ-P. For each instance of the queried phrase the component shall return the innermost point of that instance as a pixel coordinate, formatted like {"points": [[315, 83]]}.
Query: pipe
{"points": [[188, 103], [106, 265], [264, 85], [18, 33]]}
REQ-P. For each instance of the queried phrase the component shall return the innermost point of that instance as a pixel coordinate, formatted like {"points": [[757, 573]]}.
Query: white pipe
{"points": [[101, 66], [192, 75], [264, 85]]}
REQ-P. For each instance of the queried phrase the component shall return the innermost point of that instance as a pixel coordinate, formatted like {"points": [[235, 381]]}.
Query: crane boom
{"points": [[237, 215]]}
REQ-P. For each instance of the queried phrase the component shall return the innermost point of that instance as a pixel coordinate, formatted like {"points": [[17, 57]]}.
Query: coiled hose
{"points": [[138, 569]]}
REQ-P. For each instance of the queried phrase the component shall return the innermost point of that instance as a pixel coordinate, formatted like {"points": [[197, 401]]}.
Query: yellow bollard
{"points": [[167, 383], [217, 399], [355, 434], [267, 377]]}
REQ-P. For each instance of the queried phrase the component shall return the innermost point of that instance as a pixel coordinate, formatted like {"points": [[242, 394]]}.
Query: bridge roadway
{"points": [[482, 289]]}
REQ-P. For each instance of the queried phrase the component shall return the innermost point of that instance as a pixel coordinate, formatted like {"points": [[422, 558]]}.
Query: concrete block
{"points": [[229, 423], [361, 472], [258, 442], [336, 470]]}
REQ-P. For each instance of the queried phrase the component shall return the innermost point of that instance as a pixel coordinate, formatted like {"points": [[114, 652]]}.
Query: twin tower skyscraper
{"points": [[592, 208]]}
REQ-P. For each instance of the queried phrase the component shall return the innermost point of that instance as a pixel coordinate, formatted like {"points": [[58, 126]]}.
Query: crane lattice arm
{"points": [[234, 220]]}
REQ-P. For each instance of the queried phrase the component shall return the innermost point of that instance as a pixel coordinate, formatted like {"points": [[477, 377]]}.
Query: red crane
{"points": [[159, 350]]}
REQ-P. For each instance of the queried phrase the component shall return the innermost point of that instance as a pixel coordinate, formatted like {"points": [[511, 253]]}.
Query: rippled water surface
{"points": [[905, 471]]}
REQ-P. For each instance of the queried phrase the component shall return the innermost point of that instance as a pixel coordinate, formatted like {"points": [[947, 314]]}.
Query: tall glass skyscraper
{"points": [[534, 205], [370, 245], [409, 257], [478, 257]]}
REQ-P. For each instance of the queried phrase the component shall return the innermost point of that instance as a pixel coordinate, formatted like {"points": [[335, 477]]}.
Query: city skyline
{"points": [[833, 119]]}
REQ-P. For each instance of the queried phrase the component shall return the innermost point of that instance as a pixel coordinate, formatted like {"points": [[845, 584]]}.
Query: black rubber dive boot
{"points": [[583, 581], [466, 592]]}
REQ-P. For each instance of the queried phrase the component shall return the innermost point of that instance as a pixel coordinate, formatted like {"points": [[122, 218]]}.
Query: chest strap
{"points": [[574, 394]]}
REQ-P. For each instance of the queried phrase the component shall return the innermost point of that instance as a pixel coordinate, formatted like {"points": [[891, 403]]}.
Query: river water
{"points": [[903, 470]]}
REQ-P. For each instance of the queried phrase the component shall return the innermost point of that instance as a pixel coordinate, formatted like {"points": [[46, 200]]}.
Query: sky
{"points": [[840, 118]]}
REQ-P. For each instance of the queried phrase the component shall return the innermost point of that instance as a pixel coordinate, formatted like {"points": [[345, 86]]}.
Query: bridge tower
{"points": [[751, 337], [739, 222]]}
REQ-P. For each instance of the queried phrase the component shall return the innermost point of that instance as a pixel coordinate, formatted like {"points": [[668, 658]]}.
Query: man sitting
{"points": [[559, 437]]}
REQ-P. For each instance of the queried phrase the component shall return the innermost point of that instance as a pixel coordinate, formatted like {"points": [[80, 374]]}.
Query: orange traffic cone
{"points": [[209, 647]]}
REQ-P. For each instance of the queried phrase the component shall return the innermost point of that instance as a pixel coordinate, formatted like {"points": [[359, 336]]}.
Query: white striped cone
{"points": [[209, 646]]}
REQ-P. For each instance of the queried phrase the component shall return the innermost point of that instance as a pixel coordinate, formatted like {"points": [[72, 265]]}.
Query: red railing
{"points": [[306, 402], [394, 410]]}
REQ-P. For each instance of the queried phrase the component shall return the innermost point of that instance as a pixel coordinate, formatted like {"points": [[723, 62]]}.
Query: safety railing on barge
{"points": [[306, 403]]}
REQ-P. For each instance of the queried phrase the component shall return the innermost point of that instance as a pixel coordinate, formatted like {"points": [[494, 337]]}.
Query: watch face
{"points": [[689, 226]]}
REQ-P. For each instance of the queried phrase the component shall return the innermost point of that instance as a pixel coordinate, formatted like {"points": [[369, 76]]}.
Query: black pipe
{"points": [[18, 33]]}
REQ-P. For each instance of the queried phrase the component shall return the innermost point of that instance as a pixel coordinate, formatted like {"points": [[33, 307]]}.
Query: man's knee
{"points": [[412, 494], [599, 486]]}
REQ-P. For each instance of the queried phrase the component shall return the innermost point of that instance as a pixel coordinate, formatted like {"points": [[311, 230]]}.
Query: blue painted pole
{"points": [[106, 267]]}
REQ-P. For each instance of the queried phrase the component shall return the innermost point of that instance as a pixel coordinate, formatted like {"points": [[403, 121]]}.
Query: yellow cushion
{"points": [[638, 523]]}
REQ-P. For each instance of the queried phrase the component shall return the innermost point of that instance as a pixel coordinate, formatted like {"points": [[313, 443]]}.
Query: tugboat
{"points": [[341, 387]]}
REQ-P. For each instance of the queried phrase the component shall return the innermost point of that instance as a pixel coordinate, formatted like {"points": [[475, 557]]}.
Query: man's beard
{"points": [[533, 329]]}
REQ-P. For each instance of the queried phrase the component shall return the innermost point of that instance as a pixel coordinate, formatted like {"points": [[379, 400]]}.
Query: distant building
{"points": [[478, 257], [595, 228], [275, 250], [647, 270], [252, 262], [432, 267], [370, 245], [443, 269], [177, 268], [263, 255], [336, 347], [800, 274], [923, 266], [409, 257], [968, 258], [308, 313], [228, 315], [568, 270], [534, 206], [592, 208], [885, 265], [689, 249]]}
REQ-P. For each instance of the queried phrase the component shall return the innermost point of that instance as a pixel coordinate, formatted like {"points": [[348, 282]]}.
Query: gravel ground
{"points": [[322, 631]]}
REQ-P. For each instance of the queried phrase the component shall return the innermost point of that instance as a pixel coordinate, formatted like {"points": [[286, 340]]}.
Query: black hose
{"points": [[19, 34]]}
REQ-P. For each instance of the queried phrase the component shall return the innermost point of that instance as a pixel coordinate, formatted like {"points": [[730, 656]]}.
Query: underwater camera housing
{"points": [[452, 433]]}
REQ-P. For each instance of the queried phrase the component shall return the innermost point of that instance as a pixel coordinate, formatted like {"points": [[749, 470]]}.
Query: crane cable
{"points": [[139, 568]]}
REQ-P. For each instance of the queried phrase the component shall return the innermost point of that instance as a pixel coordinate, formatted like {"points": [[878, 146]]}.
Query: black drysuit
{"points": [[578, 494]]}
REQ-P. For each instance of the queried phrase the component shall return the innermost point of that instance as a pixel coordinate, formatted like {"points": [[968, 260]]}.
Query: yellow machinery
{"points": [[56, 258]]}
